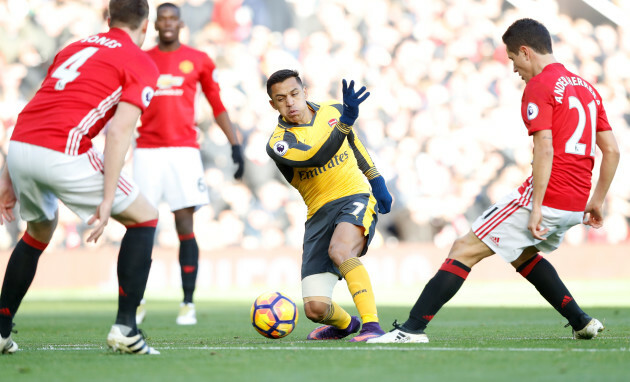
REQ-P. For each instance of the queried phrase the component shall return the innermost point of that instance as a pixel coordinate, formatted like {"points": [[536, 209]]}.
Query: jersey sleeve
{"points": [[139, 82], [209, 85], [366, 165], [284, 148], [537, 107], [602, 118]]}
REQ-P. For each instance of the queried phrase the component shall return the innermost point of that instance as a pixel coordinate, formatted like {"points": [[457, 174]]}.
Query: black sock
{"points": [[544, 277], [189, 262], [18, 277], [438, 291], [134, 263]]}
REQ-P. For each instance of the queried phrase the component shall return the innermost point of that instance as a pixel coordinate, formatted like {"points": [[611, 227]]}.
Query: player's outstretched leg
{"points": [[538, 271], [438, 291], [360, 288]]}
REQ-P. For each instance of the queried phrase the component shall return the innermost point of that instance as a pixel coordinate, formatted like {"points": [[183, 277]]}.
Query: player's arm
{"points": [[606, 142], [285, 149], [117, 143], [212, 91], [541, 171], [366, 165], [7, 196]]}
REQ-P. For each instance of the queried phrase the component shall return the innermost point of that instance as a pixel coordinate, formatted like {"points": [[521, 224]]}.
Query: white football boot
{"points": [[118, 342], [399, 336], [590, 331], [7, 346], [187, 314]]}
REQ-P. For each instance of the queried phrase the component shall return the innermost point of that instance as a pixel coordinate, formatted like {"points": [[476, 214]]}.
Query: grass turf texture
{"points": [[65, 341]]}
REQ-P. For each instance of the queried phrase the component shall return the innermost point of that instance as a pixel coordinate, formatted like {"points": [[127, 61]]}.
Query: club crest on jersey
{"points": [[186, 66], [532, 111], [332, 122], [147, 95], [280, 148]]}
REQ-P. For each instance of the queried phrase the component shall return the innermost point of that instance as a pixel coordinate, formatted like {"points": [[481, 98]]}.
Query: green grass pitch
{"points": [[65, 341]]}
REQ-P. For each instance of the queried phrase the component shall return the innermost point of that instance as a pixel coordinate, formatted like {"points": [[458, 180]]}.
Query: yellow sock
{"points": [[337, 317], [360, 288]]}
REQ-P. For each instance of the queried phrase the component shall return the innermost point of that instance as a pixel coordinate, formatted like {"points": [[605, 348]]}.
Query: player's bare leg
{"points": [[346, 245], [20, 273], [189, 263]]}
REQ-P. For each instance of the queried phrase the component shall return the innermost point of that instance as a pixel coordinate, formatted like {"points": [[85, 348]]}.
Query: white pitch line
{"points": [[419, 348]]}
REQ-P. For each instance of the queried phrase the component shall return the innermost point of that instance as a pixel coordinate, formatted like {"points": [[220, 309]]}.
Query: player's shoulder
{"points": [[194, 53]]}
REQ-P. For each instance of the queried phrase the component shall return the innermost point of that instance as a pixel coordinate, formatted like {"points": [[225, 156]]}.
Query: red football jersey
{"points": [[170, 120], [572, 109], [84, 84]]}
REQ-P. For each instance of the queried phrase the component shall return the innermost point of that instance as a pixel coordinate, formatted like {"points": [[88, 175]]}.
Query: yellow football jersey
{"points": [[318, 160]]}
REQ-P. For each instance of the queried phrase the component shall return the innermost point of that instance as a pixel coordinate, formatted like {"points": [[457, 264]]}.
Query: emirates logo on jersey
{"points": [[186, 66]]}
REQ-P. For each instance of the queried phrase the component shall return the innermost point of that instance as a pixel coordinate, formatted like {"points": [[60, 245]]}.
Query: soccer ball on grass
{"points": [[274, 315]]}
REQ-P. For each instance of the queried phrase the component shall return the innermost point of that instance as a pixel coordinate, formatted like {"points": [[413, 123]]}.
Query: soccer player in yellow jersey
{"points": [[318, 153]]}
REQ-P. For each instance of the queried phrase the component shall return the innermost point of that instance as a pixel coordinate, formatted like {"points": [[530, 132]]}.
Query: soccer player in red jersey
{"points": [[167, 160], [566, 117], [101, 78]]}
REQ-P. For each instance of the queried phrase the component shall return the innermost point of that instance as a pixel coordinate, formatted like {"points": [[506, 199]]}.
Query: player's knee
{"points": [[469, 250], [316, 311], [339, 253]]}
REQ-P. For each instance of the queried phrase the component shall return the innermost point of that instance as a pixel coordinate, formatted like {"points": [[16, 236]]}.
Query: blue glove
{"points": [[351, 102], [237, 157], [383, 198]]}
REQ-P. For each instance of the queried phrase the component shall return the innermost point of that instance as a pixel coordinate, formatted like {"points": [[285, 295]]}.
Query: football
{"points": [[274, 315]]}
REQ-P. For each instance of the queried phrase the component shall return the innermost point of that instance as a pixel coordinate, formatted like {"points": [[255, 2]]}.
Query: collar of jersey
{"points": [[286, 125]]}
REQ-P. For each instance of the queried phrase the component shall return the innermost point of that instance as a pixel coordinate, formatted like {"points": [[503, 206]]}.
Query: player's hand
{"points": [[7, 201], [102, 214], [351, 102], [534, 224], [237, 157], [593, 216], [381, 194]]}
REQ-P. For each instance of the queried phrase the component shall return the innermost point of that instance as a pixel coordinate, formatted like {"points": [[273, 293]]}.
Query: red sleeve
{"points": [[602, 118], [139, 85], [537, 107], [209, 85]]}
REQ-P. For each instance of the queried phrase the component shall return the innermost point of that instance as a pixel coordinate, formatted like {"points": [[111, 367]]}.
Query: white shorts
{"points": [[172, 174], [503, 226], [43, 176]]}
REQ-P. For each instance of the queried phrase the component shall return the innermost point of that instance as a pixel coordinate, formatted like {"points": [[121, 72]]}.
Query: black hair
{"points": [[280, 76], [527, 32], [128, 12], [168, 5]]}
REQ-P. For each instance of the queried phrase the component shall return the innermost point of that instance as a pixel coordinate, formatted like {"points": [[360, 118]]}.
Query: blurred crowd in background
{"points": [[442, 123]]}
